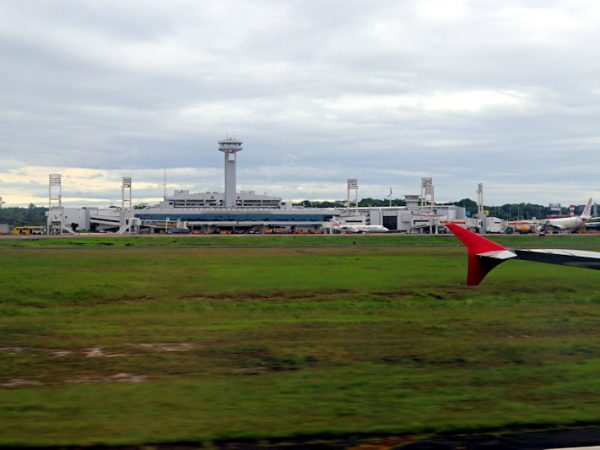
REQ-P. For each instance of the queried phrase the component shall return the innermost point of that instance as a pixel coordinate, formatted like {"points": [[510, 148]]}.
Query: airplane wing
{"points": [[484, 255], [575, 258]]}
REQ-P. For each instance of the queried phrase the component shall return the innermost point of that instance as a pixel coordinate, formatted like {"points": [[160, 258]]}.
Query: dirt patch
{"points": [[93, 352], [11, 349], [127, 378], [250, 370], [61, 353], [19, 382], [272, 296], [116, 378], [83, 380], [167, 346], [98, 352], [393, 294]]}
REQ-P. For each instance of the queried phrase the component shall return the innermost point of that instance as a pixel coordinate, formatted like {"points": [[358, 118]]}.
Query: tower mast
{"points": [[230, 147]]}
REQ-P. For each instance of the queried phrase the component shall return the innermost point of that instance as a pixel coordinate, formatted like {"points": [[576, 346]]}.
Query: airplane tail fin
{"points": [[484, 254], [587, 211]]}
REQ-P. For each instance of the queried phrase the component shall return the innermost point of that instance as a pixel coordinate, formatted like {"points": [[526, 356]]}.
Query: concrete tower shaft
{"points": [[230, 147]]}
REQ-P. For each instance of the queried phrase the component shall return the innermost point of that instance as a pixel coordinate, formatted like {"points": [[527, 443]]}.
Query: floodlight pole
{"points": [[480, 212], [352, 185], [126, 205], [427, 192], [54, 198]]}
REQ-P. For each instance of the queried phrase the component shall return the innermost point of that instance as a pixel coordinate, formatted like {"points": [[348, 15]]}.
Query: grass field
{"points": [[153, 340], [108, 240]]}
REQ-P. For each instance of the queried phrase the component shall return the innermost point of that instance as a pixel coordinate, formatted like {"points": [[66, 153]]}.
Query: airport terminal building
{"points": [[235, 211]]}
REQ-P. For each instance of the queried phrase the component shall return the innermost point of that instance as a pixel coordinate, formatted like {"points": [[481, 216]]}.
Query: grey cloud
{"points": [[319, 91]]}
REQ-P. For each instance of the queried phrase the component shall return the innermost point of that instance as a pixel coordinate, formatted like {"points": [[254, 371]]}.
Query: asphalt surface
{"points": [[536, 440], [581, 438]]}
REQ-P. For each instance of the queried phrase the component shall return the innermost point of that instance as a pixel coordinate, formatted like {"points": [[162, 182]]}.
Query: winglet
{"points": [[479, 265]]}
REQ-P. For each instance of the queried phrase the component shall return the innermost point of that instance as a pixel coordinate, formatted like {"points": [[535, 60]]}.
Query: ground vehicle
{"points": [[29, 229]]}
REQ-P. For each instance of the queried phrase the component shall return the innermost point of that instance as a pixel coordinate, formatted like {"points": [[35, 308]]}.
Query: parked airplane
{"points": [[359, 228], [571, 224], [484, 255]]}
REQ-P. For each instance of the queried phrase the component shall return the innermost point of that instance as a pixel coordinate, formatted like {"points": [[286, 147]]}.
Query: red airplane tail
{"points": [[483, 253]]}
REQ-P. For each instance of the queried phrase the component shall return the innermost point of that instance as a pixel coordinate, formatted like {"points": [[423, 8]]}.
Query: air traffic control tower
{"points": [[230, 147]]}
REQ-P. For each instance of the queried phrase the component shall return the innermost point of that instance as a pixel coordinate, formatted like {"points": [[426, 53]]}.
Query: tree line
{"points": [[363, 203], [36, 215], [18, 217], [515, 211]]}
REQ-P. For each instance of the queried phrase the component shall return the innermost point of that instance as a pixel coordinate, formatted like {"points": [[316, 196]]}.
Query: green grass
{"points": [[170, 344], [288, 240]]}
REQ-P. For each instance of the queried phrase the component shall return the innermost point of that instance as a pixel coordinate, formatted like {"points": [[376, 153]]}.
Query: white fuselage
{"points": [[566, 223], [364, 228], [572, 223]]}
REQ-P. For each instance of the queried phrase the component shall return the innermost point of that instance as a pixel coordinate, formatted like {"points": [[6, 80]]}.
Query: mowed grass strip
{"points": [[132, 346], [388, 239]]}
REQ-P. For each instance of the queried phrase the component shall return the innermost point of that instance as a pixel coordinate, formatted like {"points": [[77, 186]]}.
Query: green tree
{"points": [[16, 216], [469, 205]]}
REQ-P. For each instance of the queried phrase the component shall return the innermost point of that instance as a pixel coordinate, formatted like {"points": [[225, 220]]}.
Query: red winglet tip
{"points": [[475, 245], [476, 271]]}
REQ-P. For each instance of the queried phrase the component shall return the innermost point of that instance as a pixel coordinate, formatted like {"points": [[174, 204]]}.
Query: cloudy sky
{"points": [[504, 92]]}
